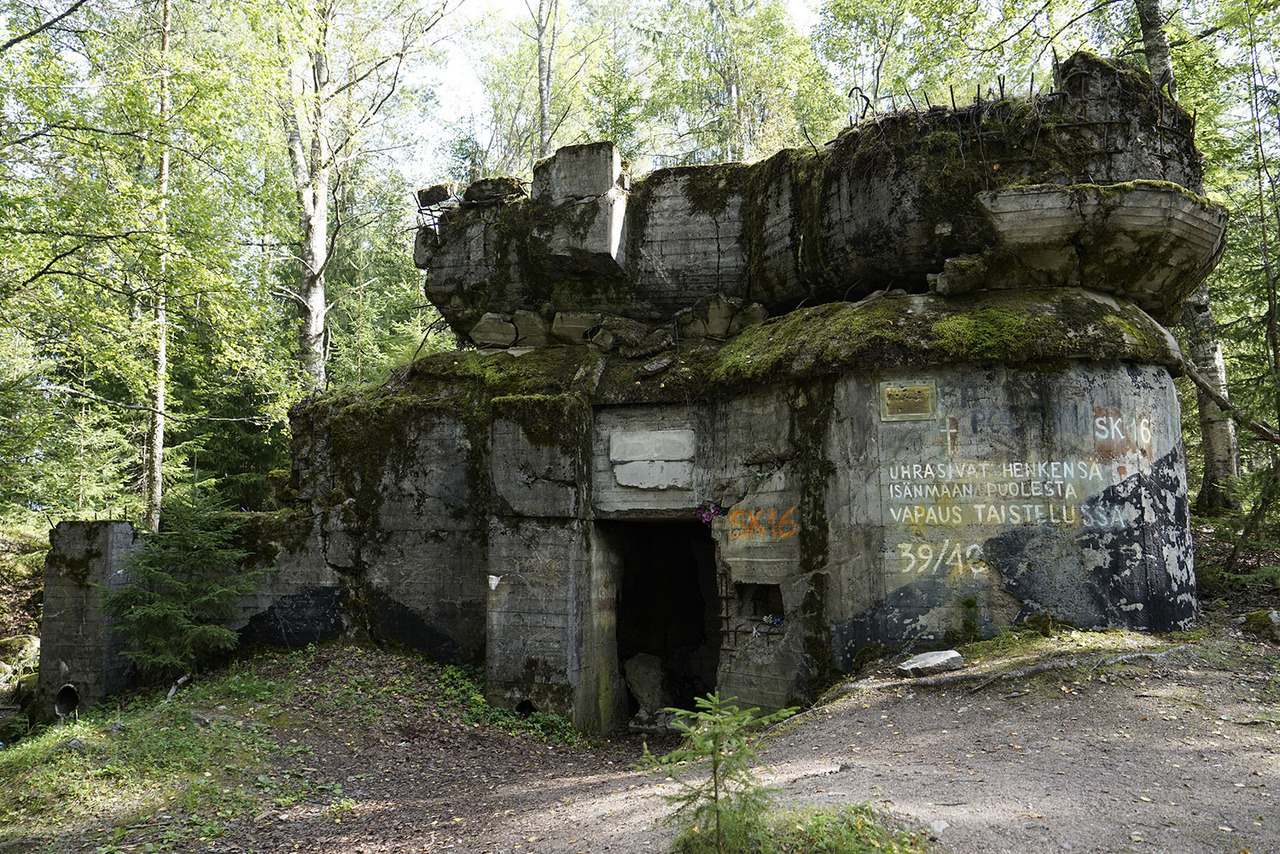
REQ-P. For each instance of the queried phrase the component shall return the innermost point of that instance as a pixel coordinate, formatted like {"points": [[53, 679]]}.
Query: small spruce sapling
{"points": [[184, 582], [714, 771]]}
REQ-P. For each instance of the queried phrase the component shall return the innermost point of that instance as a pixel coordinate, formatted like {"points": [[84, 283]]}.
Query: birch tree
{"points": [[342, 63]]}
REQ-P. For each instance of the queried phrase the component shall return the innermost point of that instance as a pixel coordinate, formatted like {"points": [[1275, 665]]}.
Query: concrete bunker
{"points": [[912, 383]]}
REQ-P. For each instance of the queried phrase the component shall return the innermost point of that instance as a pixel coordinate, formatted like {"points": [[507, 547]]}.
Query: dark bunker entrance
{"points": [[668, 610]]}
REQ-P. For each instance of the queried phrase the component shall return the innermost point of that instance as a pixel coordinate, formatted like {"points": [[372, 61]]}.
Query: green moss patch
{"points": [[1012, 327]]}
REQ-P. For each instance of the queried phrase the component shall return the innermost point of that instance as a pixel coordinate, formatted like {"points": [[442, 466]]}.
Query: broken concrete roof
{"points": [[1093, 185]]}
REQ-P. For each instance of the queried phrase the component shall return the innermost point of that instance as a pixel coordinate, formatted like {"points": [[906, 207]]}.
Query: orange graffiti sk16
{"points": [[771, 524]]}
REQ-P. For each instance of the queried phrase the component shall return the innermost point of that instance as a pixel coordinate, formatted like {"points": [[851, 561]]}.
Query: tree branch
{"points": [[21, 37], [1264, 431]]}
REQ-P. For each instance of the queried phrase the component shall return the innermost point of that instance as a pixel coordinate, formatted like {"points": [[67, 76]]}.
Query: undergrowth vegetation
{"points": [[724, 808], [169, 774], [145, 772]]}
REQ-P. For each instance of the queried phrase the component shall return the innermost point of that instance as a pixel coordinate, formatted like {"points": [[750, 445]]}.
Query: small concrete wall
{"points": [[80, 660]]}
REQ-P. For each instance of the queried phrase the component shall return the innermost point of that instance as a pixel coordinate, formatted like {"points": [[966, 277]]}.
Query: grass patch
{"points": [[140, 773], [851, 830], [857, 829], [161, 768], [1022, 642]]}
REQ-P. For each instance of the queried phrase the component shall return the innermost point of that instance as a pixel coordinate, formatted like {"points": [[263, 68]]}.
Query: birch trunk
{"points": [[1217, 431], [545, 25], [310, 162], [160, 319], [1156, 45]]}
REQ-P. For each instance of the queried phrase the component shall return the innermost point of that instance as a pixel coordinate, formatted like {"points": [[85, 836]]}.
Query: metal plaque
{"points": [[910, 400]]}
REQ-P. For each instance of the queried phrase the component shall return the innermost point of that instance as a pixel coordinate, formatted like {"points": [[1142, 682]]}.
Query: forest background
{"points": [[207, 207]]}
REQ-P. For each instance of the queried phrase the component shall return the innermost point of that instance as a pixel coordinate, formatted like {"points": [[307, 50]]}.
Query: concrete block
{"points": [[493, 330], [676, 444], [493, 189], [531, 329], [577, 172], [437, 194], [585, 235], [719, 317], [570, 326]]}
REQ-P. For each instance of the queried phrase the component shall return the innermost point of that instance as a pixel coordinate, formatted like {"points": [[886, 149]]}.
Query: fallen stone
{"points": [[929, 663], [645, 679], [657, 366], [748, 316]]}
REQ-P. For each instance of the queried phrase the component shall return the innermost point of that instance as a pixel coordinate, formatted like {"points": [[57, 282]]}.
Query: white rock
{"points": [[927, 663]]}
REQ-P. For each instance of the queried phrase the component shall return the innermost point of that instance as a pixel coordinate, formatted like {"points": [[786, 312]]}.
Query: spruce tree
{"points": [[184, 583]]}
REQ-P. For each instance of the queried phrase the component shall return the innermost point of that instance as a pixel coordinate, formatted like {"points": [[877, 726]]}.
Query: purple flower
{"points": [[709, 510]]}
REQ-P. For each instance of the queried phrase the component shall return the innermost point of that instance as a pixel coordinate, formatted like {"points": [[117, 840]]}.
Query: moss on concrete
{"points": [[1012, 327], [547, 420], [710, 189], [986, 334], [811, 404]]}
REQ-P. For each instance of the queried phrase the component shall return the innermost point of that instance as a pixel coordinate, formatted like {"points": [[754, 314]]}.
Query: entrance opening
{"points": [[668, 607]]}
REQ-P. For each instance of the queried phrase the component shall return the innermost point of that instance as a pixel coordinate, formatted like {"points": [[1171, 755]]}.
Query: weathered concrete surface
{"points": [[79, 658], [1142, 240], [1094, 185]]}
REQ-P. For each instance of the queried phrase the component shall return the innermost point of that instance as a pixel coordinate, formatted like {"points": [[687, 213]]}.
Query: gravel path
{"points": [[1180, 753]]}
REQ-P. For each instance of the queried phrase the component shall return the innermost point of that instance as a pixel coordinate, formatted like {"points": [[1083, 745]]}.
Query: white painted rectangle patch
{"points": [[634, 445], [655, 474]]}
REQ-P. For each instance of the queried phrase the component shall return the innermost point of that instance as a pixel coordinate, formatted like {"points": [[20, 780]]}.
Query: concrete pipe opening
{"points": [[67, 701]]}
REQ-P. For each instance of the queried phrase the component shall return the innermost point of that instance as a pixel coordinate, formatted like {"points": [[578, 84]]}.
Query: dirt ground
{"points": [[1104, 743]]}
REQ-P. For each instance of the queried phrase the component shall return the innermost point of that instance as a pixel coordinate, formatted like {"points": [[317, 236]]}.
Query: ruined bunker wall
{"points": [[1000, 494], [448, 511], [80, 660], [550, 632], [903, 507], [390, 538], [776, 438]]}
